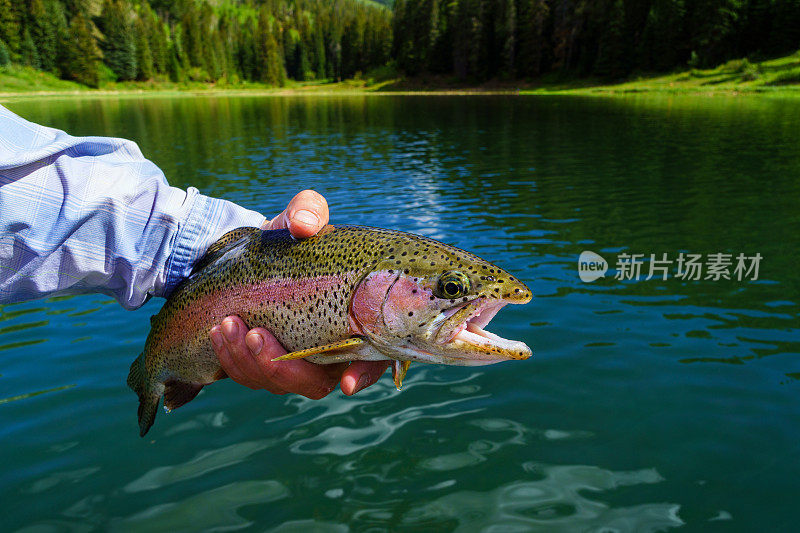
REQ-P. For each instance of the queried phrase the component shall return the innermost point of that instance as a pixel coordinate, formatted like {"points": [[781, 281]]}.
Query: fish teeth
{"points": [[475, 335]]}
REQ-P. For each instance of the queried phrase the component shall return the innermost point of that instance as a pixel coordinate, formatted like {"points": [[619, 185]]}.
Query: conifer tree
{"points": [[11, 24], [319, 53], [119, 47], [531, 18], [158, 43], [662, 45], [216, 60], [28, 52], [193, 36], [301, 60], [245, 50], [226, 30], [716, 20], [46, 23], [83, 55], [272, 69], [335, 52], [290, 47], [5, 58], [206, 42], [507, 30], [173, 63], [178, 60], [611, 60], [144, 58]]}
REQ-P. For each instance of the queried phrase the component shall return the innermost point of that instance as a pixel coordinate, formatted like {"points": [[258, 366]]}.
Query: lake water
{"points": [[649, 404]]}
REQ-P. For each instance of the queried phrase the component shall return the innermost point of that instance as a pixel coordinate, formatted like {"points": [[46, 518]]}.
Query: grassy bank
{"points": [[18, 81], [741, 76]]}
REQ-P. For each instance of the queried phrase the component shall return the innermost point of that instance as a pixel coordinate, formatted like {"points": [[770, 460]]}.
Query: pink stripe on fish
{"points": [[243, 300]]}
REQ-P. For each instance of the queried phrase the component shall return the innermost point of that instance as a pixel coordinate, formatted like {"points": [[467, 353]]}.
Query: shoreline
{"points": [[732, 79], [600, 91], [282, 92], [774, 77]]}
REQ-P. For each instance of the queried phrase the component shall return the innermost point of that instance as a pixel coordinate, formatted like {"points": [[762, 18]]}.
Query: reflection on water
{"points": [[35, 393], [58, 478], [479, 450], [648, 405], [215, 509], [554, 503], [345, 441], [302, 526], [201, 464]]}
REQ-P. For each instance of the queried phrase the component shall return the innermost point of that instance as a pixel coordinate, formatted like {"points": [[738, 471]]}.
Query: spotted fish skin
{"points": [[310, 293]]}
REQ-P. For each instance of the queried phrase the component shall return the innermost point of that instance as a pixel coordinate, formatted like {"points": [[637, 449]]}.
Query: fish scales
{"points": [[349, 284]]}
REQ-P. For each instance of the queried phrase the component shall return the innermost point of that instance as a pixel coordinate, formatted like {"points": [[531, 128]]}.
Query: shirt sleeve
{"points": [[91, 214]]}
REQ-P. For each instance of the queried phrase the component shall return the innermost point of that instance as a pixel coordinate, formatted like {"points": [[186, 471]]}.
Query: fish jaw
{"points": [[403, 319], [463, 332], [457, 337]]}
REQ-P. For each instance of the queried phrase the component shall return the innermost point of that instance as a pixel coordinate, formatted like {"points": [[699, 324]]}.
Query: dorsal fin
{"points": [[221, 246]]}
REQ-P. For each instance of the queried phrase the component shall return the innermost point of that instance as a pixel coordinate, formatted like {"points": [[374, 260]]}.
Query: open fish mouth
{"points": [[464, 330]]}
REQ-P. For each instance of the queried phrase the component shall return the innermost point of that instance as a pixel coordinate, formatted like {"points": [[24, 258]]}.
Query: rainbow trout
{"points": [[349, 293]]}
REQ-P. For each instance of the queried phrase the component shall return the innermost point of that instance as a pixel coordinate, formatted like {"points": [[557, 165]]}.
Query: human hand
{"points": [[246, 356], [305, 215]]}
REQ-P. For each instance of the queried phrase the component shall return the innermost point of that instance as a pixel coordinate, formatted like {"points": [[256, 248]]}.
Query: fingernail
{"points": [[216, 337], [230, 329], [362, 382], [254, 343], [305, 217]]}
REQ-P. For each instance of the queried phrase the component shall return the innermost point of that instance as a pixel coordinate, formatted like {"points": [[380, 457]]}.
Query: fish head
{"points": [[430, 302]]}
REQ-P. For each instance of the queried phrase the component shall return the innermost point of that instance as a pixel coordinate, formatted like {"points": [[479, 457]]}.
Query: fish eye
{"points": [[452, 285]]}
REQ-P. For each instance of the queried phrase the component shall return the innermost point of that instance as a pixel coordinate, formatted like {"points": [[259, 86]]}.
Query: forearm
{"points": [[91, 214]]}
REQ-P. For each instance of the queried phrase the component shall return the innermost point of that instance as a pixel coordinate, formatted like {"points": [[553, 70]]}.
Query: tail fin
{"points": [[149, 395]]}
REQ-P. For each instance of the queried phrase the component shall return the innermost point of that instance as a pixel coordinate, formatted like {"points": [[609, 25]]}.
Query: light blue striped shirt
{"points": [[91, 214]]}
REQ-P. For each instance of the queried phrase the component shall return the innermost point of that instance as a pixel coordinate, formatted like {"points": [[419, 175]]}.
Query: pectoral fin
{"points": [[346, 344], [399, 369], [177, 393]]}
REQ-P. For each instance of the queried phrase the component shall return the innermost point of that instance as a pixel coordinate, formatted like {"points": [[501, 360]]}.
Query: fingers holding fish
{"points": [[305, 215], [361, 374], [224, 356], [298, 377], [246, 356], [233, 349], [335, 370]]}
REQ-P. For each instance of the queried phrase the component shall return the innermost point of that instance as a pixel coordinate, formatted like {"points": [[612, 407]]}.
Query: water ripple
{"points": [[554, 503], [342, 441], [201, 464], [216, 509]]}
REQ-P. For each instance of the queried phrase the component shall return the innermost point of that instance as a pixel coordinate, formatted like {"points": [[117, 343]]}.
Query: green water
{"points": [[648, 405]]}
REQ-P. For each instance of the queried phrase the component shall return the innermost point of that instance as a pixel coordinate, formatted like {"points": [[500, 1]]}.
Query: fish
{"points": [[348, 293]]}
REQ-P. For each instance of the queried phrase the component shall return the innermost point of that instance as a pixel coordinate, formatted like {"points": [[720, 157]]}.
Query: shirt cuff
{"points": [[207, 221]]}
